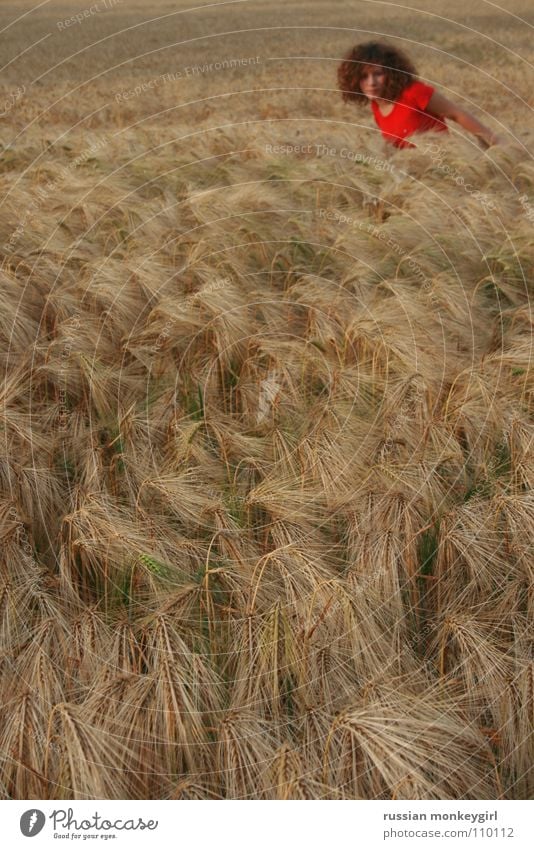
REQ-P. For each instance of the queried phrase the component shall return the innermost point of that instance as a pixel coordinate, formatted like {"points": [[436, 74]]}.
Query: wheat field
{"points": [[266, 503]]}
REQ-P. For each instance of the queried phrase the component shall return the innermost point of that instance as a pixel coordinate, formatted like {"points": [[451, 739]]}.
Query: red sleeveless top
{"points": [[408, 115]]}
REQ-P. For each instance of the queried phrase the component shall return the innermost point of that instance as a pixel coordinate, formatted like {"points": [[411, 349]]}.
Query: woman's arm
{"points": [[440, 105]]}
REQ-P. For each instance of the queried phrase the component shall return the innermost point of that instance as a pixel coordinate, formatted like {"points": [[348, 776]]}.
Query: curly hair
{"points": [[400, 71]]}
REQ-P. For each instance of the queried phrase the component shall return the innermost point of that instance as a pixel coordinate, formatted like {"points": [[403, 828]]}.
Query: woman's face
{"points": [[373, 81]]}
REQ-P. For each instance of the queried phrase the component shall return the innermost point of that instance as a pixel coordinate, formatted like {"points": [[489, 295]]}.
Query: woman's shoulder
{"points": [[417, 93]]}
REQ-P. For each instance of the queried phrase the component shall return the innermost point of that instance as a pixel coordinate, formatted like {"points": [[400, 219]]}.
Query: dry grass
{"points": [[266, 473]]}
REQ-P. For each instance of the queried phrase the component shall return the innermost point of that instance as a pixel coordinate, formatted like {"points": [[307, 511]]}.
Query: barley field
{"points": [[266, 504]]}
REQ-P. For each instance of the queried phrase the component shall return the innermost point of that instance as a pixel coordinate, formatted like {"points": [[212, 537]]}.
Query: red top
{"points": [[408, 115]]}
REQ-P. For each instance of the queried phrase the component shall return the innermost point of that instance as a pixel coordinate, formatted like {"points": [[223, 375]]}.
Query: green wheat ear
{"points": [[154, 565]]}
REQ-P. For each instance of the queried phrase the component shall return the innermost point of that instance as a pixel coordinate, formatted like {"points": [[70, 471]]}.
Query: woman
{"points": [[402, 105]]}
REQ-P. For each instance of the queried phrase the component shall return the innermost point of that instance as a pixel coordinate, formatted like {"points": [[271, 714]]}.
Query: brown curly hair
{"points": [[400, 72]]}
